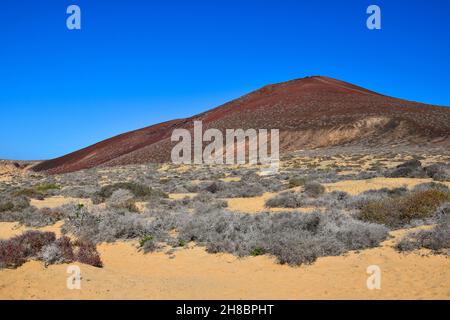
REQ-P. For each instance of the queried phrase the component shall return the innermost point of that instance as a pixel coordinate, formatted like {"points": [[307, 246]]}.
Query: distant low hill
{"points": [[312, 112]]}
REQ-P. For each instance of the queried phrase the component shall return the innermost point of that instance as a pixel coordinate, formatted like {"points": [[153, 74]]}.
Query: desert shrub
{"points": [[83, 192], [111, 224], [139, 191], [412, 169], [296, 182], [45, 187], [10, 254], [148, 244], [400, 211], [286, 200], [144, 240], [129, 205], [436, 239], [38, 192], [13, 203], [365, 175], [330, 200], [181, 243], [213, 187], [235, 189], [123, 199], [34, 217], [257, 252], [61, 251], [6, 206], [335, 199], [17, 250], [291, 237], [371, 196], [107, 227], [29, 193], [314, 189], [204, 198], [431, 186], [439, 171], [86, 252]]}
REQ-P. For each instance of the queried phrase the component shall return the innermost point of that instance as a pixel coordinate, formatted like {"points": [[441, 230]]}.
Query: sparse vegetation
{"points": [[287, 199], [296, 182], [10, 203], [439, 171], [314, 189], [400, 211], [411, 169], [291, 237], [341, 222], [140, 192], [45, 247], [235, 189], [436, 239]]}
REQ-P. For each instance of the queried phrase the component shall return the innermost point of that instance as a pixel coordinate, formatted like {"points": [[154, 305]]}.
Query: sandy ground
{"points": [[12, 229], [354, 187], [195, 274], [55, 202], [257, 204]]}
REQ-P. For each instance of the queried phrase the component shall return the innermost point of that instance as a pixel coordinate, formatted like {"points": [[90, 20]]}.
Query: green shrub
{"points": [[399, 211], [12, 203], [44, 187], [296, 182], [29, 193], [144, 240], [314, 189], [139, 191], [257, 252]]}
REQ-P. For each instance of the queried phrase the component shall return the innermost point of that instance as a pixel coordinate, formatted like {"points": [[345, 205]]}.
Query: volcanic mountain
{"points": [[312, 112]]}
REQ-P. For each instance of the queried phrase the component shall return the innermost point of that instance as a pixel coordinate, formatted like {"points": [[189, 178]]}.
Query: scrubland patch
{"points": [[45, 247], [436, 239], [399, 211], [208, 206]]}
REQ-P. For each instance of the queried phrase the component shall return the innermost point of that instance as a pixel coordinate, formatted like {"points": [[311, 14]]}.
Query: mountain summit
{"points": [[312, 112]]}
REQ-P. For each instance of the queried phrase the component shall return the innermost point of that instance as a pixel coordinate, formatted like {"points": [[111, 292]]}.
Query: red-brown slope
{"points": [[310, 112]]}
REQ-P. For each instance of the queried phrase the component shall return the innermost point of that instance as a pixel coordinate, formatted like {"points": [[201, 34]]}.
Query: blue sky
{"points": [[135, 63]]}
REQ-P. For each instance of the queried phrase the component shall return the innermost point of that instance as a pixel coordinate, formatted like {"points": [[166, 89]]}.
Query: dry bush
{"points": [[439, 171], [296, 182], [45, 247], [314, 189], [287, 199], [17, 250], [9, 203], [139, 191], [293, 238], [399, 211], [235, 189], [436, 239], [408, 169]]}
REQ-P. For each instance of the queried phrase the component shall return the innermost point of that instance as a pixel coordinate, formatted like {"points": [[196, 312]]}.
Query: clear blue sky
{"points": [[140, 62]]}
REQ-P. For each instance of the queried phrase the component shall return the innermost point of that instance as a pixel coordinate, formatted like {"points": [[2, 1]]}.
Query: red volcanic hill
{"points": [[313, 112]]}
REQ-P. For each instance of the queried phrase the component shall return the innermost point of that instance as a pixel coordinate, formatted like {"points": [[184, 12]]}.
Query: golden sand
{"points": [[357, 186], [54, 202], [195, 274]]}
